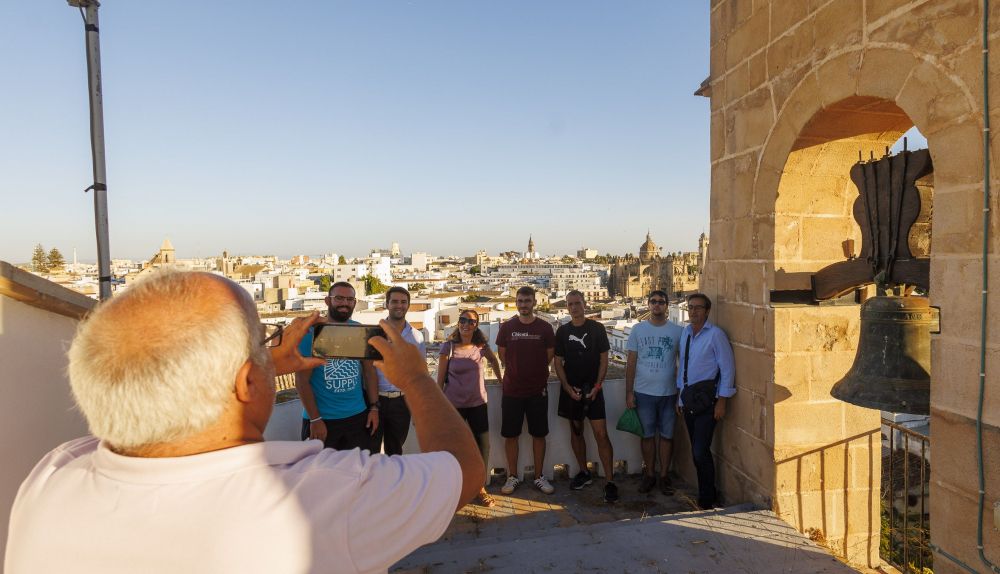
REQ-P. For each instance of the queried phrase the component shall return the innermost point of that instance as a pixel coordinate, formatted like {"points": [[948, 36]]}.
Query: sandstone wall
{"points": [[798, 88]]}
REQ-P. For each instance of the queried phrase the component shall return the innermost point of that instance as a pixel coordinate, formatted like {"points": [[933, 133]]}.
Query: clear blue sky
{"points": [[314, 127]]}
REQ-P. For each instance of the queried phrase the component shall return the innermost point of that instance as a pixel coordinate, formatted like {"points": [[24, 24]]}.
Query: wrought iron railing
{"points": [[285, 382], [905, 536]]}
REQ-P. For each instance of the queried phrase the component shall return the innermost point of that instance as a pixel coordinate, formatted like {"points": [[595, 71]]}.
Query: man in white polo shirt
{"points": [[177, 384]]}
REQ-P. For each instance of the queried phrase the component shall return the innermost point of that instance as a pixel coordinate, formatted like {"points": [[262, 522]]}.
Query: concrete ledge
{"points": [[42, 293], [286, 424]]}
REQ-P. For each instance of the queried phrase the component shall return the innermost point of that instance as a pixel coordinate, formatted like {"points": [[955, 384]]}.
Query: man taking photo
{"points": [[175, 377]]}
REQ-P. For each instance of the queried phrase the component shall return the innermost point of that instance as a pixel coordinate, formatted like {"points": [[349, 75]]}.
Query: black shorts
{"points": [[578, 410], [513, 411], [477, 417]]}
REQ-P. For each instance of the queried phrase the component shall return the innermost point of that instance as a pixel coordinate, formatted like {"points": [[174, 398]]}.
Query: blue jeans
{"points": [[657, 414]]}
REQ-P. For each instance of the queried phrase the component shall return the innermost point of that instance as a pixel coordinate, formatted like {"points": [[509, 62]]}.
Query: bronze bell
{"points": [[892, 370]]}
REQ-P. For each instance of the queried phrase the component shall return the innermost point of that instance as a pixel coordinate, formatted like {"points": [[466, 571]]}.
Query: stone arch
{"points": [[853, 100], [940, 105]]}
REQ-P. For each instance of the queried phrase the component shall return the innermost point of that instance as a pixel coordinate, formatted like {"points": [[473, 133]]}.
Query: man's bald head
{"points": [[159, 362]]}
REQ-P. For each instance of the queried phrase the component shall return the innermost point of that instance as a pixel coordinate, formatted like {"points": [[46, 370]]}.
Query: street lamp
{"points": [[88, 9]]}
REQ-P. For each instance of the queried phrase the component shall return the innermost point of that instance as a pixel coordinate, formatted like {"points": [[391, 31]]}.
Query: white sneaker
{"points": [[541, 483], [512, 483]]}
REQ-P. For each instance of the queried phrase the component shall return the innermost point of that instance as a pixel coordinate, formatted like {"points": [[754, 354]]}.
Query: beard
{"points": [[340, 314]]}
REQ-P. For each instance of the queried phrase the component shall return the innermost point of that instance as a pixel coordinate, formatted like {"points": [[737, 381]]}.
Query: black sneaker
{"points": [[582, 479], [706, 504], [666, 488], [610, 492], [647, 484]]}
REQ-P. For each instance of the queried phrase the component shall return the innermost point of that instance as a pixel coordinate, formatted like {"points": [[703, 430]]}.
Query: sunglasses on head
{"points": [[466, 321]]}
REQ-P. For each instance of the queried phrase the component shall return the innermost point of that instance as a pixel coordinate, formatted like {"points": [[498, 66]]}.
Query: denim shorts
{"points": [[657, 414]]}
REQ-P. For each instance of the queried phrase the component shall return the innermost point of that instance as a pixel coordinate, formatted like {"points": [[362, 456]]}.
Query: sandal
{"points": [[485, 499]]}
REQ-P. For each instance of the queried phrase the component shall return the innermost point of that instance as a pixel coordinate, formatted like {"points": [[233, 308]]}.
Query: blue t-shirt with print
{"points": [[337, 385], [656, 350]]}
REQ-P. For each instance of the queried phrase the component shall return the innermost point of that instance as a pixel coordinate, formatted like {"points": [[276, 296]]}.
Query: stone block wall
{"points": [[798, 88]]}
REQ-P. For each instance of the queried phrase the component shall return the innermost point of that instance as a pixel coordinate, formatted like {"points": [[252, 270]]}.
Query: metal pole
{"points": [[99, 187]]}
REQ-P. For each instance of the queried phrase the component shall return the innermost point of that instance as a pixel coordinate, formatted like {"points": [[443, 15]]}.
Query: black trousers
{"points": [[394, 425], [700, 429], [344, 434]]}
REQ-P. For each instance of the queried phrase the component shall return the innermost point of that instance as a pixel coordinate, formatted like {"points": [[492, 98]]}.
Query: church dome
{"points": [[648, 249]]}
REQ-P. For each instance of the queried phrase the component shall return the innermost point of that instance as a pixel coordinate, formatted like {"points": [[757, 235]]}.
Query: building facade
{"points": [[675, 273]]}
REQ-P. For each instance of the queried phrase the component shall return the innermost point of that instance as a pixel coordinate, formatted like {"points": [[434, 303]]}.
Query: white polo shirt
{"points": [[266, 507]]}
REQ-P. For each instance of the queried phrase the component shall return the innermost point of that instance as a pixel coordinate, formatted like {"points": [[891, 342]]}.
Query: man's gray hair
{"points": [[159, 362]]}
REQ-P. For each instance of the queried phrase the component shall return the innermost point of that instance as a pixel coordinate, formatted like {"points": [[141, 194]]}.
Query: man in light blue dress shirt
{"points": [[705, 354]]}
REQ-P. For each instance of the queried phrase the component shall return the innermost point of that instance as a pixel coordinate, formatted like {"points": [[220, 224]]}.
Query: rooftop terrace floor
{"points": [[576, 531]]}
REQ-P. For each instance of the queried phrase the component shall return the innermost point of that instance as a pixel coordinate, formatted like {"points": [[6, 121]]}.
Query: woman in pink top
{"points": [[461, 376]]}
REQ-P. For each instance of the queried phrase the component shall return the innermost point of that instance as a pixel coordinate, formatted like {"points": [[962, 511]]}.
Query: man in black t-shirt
{"points": [[581, 363]]}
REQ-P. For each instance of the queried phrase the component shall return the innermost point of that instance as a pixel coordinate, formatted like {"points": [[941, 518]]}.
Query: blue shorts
{"points": [[657, 414]]}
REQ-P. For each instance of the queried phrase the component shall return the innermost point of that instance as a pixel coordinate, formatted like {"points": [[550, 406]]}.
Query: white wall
{"points": [[36, 412], [419, 261], [286, 424]]}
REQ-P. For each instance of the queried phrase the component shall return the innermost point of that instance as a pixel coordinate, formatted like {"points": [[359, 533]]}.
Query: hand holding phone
{"points": [[402, 362], [345, 341], [286, 356]]}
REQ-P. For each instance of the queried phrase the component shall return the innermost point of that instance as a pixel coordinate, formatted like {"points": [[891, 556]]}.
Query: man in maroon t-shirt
{"points": [[526, 344]]}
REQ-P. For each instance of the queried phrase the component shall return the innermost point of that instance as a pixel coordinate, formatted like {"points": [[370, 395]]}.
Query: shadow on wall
{"points": [[820, 491]]}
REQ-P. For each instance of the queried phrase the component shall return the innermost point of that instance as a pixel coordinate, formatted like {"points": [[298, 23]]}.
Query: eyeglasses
{"points": [[272, 335], [466, 321], [342, 299], [657, 301], [696, 307]]}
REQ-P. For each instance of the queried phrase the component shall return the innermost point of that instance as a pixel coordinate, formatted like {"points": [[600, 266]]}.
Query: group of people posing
{"points": [[176, 379], [350, 403]]}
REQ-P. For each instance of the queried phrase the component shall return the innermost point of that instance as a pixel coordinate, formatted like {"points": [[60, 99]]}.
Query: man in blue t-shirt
{"points": [[334, 395], [650, 388]]}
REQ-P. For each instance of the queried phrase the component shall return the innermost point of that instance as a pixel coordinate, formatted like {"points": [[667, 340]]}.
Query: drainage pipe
{"points": [[986, 283]]}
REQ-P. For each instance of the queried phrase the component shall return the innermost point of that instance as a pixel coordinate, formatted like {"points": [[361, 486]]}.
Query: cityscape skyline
{"points": [[447, 126], [404, 253]]}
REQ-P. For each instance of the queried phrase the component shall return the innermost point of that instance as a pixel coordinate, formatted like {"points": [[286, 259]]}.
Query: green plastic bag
{"points": [[629, 422]]}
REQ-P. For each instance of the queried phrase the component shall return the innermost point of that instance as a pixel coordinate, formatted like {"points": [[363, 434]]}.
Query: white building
{"points": [[351, 272], [419, 260], [618, 332], [563, 281], [382, 269]]}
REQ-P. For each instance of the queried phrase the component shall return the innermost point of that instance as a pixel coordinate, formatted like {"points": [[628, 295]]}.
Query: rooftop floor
{"points": [[575, 531]]}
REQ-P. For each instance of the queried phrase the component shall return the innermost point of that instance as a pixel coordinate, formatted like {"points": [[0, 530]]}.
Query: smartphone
{"points": [[345, 341]]}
